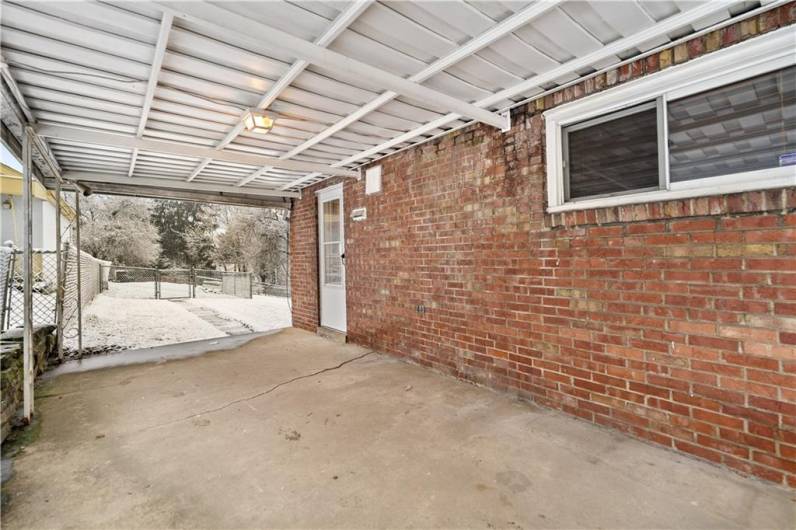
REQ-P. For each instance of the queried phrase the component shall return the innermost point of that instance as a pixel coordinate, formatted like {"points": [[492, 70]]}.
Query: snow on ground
{"points": [[127, 315], [139, 323], [261, 312]]}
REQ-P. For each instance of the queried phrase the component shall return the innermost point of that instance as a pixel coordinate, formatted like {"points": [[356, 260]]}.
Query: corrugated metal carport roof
{"points": [[129, 92]]}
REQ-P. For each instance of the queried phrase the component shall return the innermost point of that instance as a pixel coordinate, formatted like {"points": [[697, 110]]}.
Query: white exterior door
{"points": [[331, 249]]}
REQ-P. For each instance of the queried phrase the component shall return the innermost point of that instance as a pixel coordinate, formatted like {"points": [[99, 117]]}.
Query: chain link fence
{"points": [[166, 284], [45, 286], [6, 268], [270, 289], [44, 289], [129, 282], [101, 276]]}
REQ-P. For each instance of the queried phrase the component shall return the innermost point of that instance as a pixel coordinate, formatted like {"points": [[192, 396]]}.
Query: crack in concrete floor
{"points": [[260, 394]]}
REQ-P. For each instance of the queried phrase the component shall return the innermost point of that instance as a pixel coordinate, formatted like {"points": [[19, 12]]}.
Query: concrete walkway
{"points": [[228, 325], [247, 438]]}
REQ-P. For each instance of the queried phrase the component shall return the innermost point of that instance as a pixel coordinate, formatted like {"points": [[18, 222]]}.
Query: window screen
{"points": [[613, 154], [741, 127]]}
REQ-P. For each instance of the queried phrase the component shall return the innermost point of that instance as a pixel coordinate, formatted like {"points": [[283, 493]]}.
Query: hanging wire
{"points": [[214, 100], [118, 78], [121, 79]]}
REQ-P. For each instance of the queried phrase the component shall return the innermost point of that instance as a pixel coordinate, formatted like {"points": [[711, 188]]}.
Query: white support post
{"points": [[59, 276], [28, 364], [79, 276]]}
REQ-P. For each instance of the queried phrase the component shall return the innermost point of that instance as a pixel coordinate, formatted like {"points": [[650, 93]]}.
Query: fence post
{"points": [[5, 311], [79, 276], [193, 282], [251, 285], [28, 363], [59, 276]]}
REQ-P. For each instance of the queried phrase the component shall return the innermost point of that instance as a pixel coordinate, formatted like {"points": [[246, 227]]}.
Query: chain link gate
{"points": [[129, 282], [44, 283], [172, 284], [45, 287], [175, 283]]}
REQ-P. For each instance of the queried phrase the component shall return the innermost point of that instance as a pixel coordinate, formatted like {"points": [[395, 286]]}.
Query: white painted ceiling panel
{"points": [[88, 65], [104, 17]]}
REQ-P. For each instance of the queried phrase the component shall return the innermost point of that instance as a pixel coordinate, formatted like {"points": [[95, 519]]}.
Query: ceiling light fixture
{"points": [[258, 121]]}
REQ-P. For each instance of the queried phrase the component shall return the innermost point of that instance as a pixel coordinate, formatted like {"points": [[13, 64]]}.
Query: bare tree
{"points": [[255, 241], [119, 229]]}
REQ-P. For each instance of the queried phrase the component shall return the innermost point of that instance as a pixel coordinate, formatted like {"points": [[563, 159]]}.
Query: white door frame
{"points": [[332, 296]]}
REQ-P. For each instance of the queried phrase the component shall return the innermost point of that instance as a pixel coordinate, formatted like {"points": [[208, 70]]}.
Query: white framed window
{"points": [[722, 123]]}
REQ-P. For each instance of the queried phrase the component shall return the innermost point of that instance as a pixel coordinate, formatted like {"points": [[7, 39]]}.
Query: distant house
{"points": [[44, 211]]}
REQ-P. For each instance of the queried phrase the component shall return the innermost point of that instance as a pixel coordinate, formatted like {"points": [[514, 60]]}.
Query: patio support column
{"points": [[59, 276], [27, 273], [79, 276]]}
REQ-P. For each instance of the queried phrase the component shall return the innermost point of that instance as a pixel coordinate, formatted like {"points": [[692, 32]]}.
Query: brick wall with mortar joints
{"points": [[674, 322]]}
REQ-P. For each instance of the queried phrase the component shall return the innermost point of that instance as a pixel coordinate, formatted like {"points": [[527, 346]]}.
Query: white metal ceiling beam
{"points": [[248, 178], [203, 14], [154, 72], [660, 29], [102, 176], [472, 46], [338, 26], [343, 20], [300, 180], [198, 169], [10, 91], [131, 142], [15, 92], [157, 62]]}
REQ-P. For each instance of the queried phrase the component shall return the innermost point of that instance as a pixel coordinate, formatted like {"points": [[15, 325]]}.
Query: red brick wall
{"points": [[303, 262], [674, 322]]}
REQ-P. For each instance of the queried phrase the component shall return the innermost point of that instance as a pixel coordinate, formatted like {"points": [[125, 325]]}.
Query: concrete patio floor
{"points": [[214, 442]]}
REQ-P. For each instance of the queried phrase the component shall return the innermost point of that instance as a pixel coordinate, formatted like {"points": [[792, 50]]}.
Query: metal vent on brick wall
{"points": [[359, 214]]}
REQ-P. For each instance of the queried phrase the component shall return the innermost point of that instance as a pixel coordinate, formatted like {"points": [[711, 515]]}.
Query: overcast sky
{"points": [[8, 159]]}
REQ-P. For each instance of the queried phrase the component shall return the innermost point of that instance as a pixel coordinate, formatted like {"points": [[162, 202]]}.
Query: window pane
{"points": [[740, 127], [614, 156], [331, 220], [332, 264]]}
